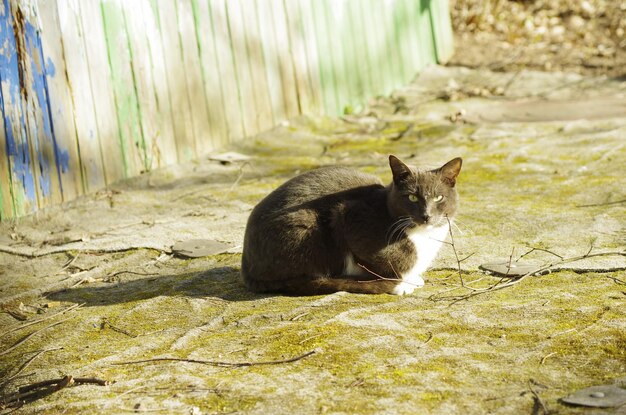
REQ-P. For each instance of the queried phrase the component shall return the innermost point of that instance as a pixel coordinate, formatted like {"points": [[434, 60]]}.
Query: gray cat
{"points": [[337, 229]]}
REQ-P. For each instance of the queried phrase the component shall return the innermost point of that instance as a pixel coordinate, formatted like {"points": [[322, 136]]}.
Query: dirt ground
{"points": [[584, 36], [93, 289]]}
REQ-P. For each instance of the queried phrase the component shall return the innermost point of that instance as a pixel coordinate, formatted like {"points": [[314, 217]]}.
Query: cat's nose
{"points": [[426, 218]]}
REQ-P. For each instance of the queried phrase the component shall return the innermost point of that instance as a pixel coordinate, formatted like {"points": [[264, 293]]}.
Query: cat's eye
{"points": [[413, 198], [438, 198]]}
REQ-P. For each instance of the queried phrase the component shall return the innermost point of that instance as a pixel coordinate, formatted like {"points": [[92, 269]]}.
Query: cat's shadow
{"points": [[222, 282]]}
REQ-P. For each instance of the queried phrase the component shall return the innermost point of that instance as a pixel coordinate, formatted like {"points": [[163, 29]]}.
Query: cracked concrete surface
{"points": [[544, 158]]}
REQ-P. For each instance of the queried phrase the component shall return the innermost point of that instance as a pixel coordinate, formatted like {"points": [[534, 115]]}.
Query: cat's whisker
{"points": [[396, 229], [457, 228], [404, 228]]}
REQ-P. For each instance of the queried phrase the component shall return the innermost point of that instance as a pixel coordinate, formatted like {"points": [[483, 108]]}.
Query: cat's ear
{"points": [[451, 170], [401, 172]]}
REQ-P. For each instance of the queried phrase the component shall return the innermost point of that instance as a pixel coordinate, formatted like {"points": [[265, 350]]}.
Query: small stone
{"points": [[604, 396], [196, 248]]}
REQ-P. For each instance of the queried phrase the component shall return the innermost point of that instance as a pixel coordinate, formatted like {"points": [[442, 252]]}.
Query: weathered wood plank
{"points": [[391, 42], [333, 12], [256, 65], [356, 63], [210, 72], [60, 101], [164, 144], [18, 148], [328, 79], [309, 44], [35, 100], [237, 33], [297, 51], [6, 197], [140, 62], [368, 31], [175, 72], [115, 167], [412, 16], [77, 68], [427, 42], [270, 58], [226, 65], [441, 30], [285, 63], [193, 77], [381, 53], [134, 148]]}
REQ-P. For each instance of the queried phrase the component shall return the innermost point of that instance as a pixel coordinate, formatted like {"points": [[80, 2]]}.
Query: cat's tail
{"points": [[323, 285]]}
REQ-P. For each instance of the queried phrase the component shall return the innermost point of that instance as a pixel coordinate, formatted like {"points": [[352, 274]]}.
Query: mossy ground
{"points": [[522, 186]]}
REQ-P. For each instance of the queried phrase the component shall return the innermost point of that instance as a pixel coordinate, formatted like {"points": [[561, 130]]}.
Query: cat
{"points": [[338, 229]]}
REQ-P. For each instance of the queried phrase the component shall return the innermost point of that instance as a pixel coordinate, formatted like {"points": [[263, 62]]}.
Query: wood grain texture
{"points": [[19, 153], [134, 147], [79, 81], [270, 52], [175, 73], [193, 81], [226, 65], [285, 63], [328, 79], [256, 65], [60, 101], [164, 142], [210, 72], [308, 39], [115, 166]]}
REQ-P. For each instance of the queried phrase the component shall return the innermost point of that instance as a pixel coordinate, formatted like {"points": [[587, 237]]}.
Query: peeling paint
{"points": [[18, 149]]}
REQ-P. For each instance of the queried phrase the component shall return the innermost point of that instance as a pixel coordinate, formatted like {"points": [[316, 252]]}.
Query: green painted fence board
{"points": [[115, 167]]}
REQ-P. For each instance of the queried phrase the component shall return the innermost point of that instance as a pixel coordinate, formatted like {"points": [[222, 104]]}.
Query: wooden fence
{"points": [[94, 91]]}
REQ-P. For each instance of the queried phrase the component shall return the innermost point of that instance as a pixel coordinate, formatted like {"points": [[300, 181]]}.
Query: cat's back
{"points": [[329, 182]]}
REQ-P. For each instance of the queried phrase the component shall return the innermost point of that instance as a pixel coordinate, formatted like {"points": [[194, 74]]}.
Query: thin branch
{"points": [[36, 253], [617, 202], [548, 267], [537, 400], [380, 277], [19, 342], [218, 363], [30, 323], [456, 255], [38, 390], [26, 364], [533, 249]]}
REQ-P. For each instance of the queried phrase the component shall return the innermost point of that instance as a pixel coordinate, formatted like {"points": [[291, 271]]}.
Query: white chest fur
{"points": [[427, 243]]}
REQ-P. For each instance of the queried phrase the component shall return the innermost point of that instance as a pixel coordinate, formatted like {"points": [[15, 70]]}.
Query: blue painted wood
{"points": [[18, 148], [35, 98]]}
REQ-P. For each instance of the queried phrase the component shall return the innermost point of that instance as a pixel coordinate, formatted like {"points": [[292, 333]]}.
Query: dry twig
{"points": [[38, 390], [28, 336], [537, 402], [26, 364], [218, 363], [500, 284], [30, 323]]}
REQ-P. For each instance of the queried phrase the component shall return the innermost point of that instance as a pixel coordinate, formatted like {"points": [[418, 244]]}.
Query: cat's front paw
{"points": [[406, 288]]}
